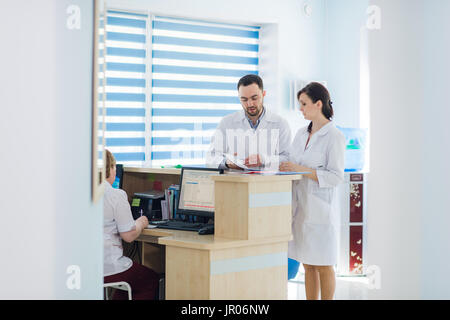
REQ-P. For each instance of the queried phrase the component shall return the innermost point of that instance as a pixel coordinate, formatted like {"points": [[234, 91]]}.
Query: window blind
{"points": [[195, 69], [125, 88]]}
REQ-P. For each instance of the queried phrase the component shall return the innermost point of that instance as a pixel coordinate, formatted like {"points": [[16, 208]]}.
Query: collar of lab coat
{"points": [[322, 131], [268, 116], [325, 129]]}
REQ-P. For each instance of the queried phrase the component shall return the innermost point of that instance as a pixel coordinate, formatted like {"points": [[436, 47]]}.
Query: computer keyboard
{"points": [[181, 225]]}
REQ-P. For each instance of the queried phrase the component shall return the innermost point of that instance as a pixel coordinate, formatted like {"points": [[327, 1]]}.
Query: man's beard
{"points": [[256, 112]]}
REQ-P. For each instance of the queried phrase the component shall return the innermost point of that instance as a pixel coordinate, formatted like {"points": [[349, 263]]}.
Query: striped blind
{"points": [[125, 88], [195, 69]]}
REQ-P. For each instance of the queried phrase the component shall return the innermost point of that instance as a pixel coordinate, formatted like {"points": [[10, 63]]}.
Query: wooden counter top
{"points": [[191, 239], [240, 177], [174, 171], [227, 176]]}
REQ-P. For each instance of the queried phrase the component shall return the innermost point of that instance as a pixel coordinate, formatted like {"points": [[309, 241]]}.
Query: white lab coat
{"points": [[315, 221], [117, 218], [234, 135]]}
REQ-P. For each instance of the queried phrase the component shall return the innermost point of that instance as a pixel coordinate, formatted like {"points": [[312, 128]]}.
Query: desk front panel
{"points": [[246, 272], [253, 210]]}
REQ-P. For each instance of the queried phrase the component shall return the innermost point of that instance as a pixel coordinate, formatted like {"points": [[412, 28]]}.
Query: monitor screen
{"points": [[119, 174], [197, 191]]}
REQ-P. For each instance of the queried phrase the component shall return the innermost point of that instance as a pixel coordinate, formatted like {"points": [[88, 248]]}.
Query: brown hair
{"points": [[316, 91], [110, 162]]}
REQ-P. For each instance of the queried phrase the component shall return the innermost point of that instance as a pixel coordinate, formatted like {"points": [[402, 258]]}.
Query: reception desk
{"points": [[246, 258]]}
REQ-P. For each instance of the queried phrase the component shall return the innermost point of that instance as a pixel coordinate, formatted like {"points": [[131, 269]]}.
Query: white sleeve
{"points": [[284, 144], [215, 154], [333, 173], [293, 148], [285, 141], [122, 213]]}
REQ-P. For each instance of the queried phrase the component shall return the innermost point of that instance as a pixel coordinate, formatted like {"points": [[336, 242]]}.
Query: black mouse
{"points": [[206, 230]]}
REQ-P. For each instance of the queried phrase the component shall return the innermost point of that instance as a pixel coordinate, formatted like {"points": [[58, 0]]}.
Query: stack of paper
{"points": [[236, 161]]}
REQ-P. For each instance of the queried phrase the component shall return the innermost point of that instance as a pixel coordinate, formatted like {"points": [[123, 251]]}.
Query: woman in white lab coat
{"points": [[318, 149]]}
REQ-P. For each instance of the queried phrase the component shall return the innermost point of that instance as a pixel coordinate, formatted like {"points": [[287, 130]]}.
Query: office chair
{"points": [[122, 285]]}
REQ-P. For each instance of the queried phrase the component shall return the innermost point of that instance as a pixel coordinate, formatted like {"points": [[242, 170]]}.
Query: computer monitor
{"points": [[197, 191], [119, 177]]}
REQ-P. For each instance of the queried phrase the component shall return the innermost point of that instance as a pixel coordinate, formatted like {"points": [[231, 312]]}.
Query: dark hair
{"points": [[250, 79], [316, 91]]}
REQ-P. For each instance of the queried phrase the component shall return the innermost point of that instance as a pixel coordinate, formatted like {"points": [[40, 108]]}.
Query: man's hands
{"points": [[253, 160], [231, 165]]}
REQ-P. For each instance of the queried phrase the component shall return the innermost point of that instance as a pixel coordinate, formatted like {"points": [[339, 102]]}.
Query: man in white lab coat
{"points": [[253, 138]]}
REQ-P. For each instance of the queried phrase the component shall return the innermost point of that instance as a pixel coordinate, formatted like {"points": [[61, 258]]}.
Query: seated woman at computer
{"points": [[118, 225]]}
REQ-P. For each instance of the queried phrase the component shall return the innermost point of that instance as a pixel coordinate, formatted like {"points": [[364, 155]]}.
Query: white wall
{"points": [[47, 218], [344, 44], [394, 196], [435, 173], [408, 207]]}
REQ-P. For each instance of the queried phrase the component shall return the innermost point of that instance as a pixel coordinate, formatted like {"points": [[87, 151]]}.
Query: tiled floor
{"points": [[347, 288]]}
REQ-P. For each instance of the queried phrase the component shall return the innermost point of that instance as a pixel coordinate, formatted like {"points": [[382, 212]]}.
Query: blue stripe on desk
{"points": [[258, 200], [249, 263]]}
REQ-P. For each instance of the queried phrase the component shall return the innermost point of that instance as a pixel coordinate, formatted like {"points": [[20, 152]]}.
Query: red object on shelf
{"points": [[157, 185], [356, 250], [356, 202]]}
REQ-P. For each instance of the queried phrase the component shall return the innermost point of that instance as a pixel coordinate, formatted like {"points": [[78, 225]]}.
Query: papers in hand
{"points": [[271, 173], [236, 161]]}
